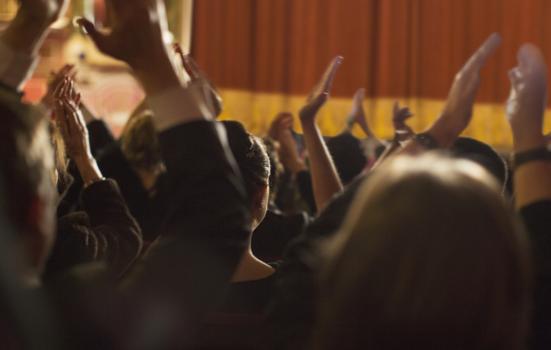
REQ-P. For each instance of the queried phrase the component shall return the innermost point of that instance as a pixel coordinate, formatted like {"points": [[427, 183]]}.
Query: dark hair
{"points": [[484, 155], [348, 156], [276, 167], [250, 155], [429, 257], [26, 158]]}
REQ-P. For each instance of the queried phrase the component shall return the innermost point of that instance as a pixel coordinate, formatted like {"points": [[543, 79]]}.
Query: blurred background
{"points": [[265, 56]]}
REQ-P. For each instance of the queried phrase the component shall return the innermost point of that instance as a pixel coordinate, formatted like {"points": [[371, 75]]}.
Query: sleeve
{"points": [[113, 226], [100, 136], [15, 67], [536, 219]]}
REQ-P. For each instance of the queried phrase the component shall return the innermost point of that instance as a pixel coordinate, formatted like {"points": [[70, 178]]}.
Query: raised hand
{"points": [[71, 122], [458, 110], [528, 98], [402, 131], [357, 114], [281, 131], [321, 92], [137, 39], [56, 80]]}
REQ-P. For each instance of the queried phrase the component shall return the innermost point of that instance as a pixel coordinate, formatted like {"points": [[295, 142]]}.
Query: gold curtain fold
{"points": [[265, 55]]}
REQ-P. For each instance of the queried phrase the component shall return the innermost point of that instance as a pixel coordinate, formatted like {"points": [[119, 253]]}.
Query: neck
{"points": [[251, 268]]}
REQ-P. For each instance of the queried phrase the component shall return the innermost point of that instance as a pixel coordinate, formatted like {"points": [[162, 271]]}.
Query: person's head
{"points": [[276, 167], [27, 168], [429, 257], [348, 156], [140, 145], [484, 155], [254, 164]]}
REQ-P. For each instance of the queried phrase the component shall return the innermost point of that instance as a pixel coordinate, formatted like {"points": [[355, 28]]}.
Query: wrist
{"points": [[522, 143], [157, 73], [443, 134], [88, 169]]}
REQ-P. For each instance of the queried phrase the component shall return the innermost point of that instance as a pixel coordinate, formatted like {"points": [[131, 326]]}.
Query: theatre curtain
{"points": [[266, 55]]}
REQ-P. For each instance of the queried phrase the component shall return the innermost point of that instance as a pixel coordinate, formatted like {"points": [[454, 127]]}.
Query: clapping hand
{"points": [[56, 80], [528, 98], [458, 110], [281, 131], [402, 131], [137, 38], [357, 114], [321, 92], [71, 122]]}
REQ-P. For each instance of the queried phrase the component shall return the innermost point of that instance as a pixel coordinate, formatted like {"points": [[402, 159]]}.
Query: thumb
{"points": [[90, 29]]}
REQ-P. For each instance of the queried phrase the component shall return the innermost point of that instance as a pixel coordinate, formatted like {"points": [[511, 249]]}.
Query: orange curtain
{"points": [[266, 55]]}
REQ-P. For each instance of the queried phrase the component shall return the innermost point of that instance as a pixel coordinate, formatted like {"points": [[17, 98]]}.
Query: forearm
{"points": [[393, 148], [325, 179], [532, 181], [88, 169]]}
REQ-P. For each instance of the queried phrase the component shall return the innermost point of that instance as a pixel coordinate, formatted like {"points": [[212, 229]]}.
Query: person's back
{"points": [[437, 263]]}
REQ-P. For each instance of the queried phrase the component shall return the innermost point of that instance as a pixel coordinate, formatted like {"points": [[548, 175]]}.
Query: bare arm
{"points": [[525, 109], [458, 110], [325, 179]]}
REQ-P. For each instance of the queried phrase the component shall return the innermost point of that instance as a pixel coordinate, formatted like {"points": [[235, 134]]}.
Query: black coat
{"points": [[103, 231]]}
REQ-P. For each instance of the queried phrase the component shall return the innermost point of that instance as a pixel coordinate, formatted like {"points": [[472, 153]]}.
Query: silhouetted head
{"points": [[484, 155], [348, 156], [254, 164], [429, 257]]}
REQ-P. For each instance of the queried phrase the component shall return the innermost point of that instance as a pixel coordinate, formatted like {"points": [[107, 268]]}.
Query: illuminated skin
{"points": [[325, 180], [402, 131], [458, 110], [528, 98]]}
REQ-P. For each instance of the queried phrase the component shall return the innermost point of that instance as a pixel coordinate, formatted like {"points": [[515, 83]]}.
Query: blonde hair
{"points": [[428, 257], [140, 143]]}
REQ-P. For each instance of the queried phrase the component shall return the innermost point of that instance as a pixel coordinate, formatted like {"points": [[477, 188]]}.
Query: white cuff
{"points": [[179, 105]]}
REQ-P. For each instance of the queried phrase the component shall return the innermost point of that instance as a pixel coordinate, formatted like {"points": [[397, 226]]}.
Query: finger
{"points": [[60, 92], [90, 29], [191, 67], [395, 108], [531, 61], [61, 119], [329, 75], [72, 118], [515, 76], [359, 97], [66, 69], [479, 58], [58, 89]]}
